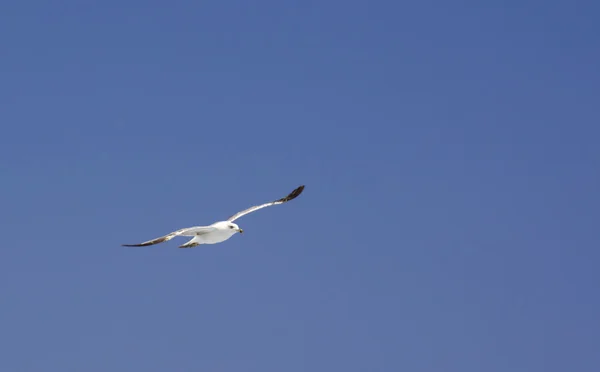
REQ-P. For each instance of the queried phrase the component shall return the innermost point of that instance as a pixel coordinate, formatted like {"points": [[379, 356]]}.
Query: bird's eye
{"points": [[231, 227]]}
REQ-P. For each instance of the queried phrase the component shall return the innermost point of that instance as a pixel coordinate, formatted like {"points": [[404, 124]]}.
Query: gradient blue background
{"points": [[451, 162]]}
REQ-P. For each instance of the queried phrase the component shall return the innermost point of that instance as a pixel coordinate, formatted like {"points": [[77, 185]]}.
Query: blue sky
{"points": [[450, 157]]}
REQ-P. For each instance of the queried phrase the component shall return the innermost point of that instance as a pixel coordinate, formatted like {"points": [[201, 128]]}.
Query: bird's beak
{"points": [[241, 231]]}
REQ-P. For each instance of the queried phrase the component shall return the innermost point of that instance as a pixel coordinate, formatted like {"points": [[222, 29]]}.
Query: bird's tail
{"points": [[191, 243]]}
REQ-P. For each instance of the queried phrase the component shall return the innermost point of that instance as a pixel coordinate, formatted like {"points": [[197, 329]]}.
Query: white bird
{"points": [[218, 231]]}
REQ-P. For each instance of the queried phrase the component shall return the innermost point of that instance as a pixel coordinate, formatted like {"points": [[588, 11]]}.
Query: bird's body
{"points": [[222, 233], [217, 232]]}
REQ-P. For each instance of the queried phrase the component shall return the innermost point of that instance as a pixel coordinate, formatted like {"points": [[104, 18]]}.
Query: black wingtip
{"points": [[136, 245], [294, 194]]}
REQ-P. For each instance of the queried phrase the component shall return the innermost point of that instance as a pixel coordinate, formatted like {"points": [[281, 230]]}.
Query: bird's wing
{"points": [[188, 231], [291, 196]]}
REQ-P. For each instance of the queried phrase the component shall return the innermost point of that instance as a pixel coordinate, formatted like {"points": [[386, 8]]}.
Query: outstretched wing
{"points": [[188, 231], [291, 196]]}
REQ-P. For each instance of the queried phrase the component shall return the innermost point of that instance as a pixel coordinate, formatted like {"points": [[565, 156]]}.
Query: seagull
{"points": [[218, 231]]}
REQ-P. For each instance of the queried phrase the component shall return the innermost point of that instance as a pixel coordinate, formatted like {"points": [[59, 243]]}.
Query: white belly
{"points": [[214, 237]]}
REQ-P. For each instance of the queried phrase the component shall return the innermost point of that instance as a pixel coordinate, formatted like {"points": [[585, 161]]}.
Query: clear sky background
{"points": [[451, 162]]}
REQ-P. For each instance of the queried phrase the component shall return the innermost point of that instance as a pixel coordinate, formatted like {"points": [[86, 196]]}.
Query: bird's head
{"points": [[233, 227]]}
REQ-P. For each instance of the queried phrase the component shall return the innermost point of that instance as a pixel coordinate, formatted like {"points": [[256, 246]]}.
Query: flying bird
{"points": [[218, 231]]}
